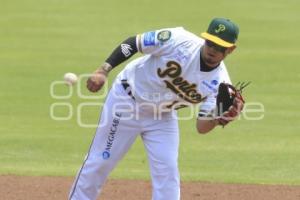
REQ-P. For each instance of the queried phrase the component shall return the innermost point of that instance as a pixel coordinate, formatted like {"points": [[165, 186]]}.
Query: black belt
{"points": [[127, 88]]}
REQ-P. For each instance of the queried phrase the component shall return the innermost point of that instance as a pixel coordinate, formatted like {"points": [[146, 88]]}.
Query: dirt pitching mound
{"points": [[57, 188]]}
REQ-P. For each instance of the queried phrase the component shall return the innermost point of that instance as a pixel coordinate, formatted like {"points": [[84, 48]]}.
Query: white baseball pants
{"points": [[121, 121]]}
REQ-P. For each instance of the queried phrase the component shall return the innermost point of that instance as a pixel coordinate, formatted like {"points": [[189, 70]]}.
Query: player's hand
{"points": [[230, 102], [97, 80], [232, 113]]}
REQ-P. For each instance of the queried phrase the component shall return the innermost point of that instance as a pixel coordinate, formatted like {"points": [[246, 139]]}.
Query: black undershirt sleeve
{"points": [[123, 52]]}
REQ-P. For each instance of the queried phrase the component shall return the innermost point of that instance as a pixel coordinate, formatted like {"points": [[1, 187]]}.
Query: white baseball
{"points": [[70, 78]]}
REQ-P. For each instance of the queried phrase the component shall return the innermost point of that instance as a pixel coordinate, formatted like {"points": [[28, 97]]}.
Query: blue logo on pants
{"points": [[105, 155]]}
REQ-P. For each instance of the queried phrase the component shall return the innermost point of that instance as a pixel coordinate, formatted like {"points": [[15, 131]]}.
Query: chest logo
{"points": [[177, 84]]}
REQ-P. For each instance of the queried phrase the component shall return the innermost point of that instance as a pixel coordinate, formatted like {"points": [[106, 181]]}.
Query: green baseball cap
{"points": [[222, 32]]}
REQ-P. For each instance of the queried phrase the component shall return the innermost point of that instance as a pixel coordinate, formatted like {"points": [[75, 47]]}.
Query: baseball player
{"points": [[178, 69]]}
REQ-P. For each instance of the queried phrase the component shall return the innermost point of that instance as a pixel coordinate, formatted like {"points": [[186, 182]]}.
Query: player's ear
{"points": [[231, 49]]}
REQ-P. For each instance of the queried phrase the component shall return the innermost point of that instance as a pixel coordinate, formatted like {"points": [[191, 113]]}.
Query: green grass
{"points": [[41, 40]]}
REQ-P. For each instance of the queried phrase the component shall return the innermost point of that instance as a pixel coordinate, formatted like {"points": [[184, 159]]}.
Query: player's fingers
{"points": [[233, 113], [226, 116], [223, 122], [92, 86], [92, 89], [229, 115], [89, 84], [238, 104], [240, 97]]}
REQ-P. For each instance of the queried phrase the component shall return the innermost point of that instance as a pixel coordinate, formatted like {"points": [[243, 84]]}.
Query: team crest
{"points": [[221, 28], [164, 36]]}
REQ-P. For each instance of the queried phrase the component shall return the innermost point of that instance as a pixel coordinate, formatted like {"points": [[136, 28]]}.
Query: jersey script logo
{"points": [[181, 87], [221, 28]]}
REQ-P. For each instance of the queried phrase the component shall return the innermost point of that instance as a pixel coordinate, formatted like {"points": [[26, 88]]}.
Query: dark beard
{"points": [[206, 67]]}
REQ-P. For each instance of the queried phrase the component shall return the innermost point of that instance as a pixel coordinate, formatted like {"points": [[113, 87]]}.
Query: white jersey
{"points": [[169, 74]]}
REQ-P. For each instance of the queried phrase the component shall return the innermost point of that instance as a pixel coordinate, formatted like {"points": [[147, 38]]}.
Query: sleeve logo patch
{"points": [[149, 38], [164, 36]]}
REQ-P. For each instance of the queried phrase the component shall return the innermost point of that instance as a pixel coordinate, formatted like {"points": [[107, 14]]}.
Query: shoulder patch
{"points": [[164, 36], [149, 38]]}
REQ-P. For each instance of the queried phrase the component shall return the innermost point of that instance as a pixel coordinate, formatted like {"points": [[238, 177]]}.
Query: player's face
{"points": [[213, 54]]}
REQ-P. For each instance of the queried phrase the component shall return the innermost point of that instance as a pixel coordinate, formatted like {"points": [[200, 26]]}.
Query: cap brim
{"points": [[216, 40]]}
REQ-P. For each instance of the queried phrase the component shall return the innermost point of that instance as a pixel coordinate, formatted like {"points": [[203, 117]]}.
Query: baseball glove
{"points": [[230, 102]]}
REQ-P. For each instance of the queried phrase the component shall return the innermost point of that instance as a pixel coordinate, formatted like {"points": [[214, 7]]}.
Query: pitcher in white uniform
{"points": [[178, 69]]}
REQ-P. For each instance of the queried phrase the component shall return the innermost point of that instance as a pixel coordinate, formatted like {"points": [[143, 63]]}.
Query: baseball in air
{"points": [[70, 78]]}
